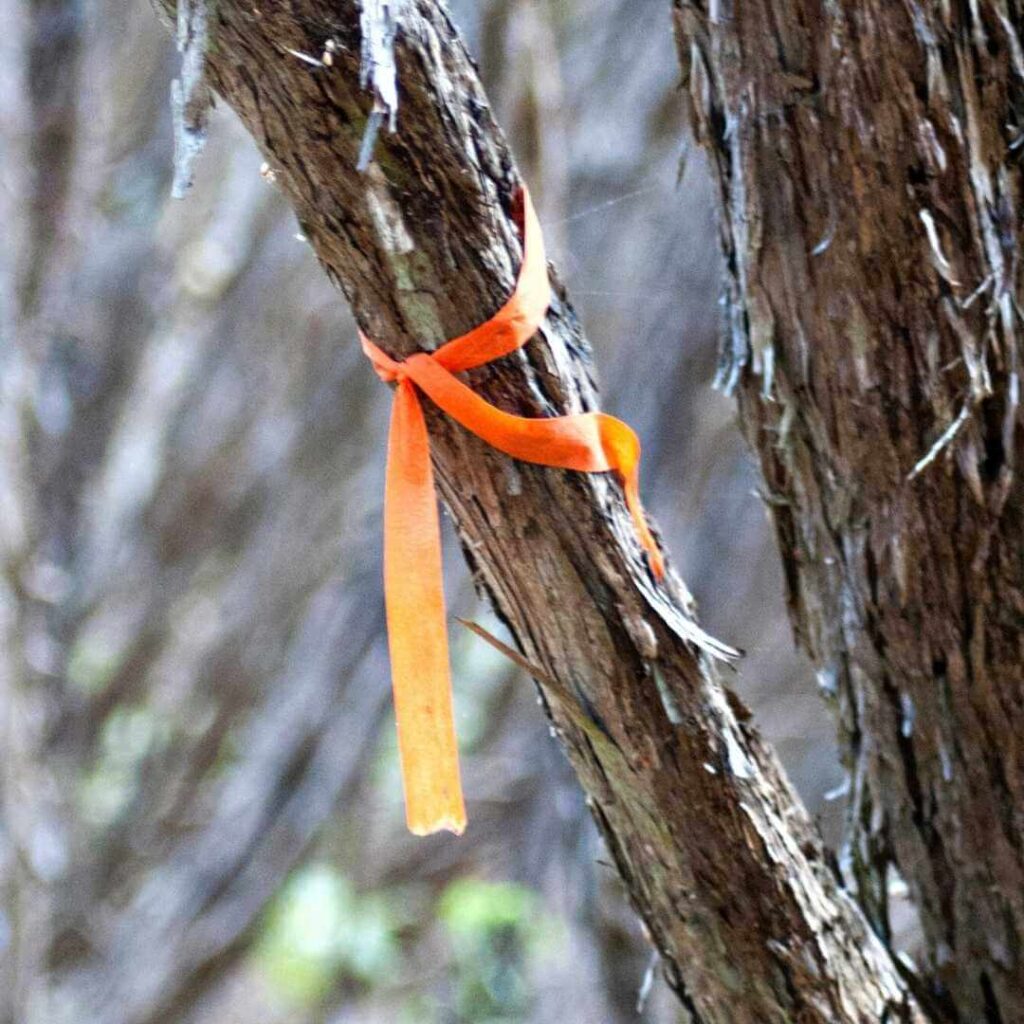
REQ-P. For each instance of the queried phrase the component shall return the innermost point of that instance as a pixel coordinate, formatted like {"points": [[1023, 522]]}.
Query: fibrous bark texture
{"points": [[718, 856], [868, 160]]}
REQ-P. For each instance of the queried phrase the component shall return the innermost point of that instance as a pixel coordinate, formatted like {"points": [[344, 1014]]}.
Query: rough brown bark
{"points": [[867, 155], [718, 856]]}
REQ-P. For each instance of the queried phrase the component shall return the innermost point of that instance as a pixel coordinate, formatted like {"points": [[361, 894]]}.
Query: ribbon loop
{"points": [[414, 596]]}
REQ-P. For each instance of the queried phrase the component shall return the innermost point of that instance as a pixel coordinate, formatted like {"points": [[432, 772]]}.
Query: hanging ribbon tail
{"points": [[417, 630]]}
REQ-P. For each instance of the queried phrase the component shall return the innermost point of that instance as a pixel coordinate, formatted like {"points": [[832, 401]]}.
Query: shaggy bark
{"points": [[718, 856], [867, 155]]}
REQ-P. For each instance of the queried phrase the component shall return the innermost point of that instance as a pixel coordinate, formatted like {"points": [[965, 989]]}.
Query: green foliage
{"points": [[128, 736], [321, 935], [91, 665], [320, 930], [493, 927], [471, 908]]}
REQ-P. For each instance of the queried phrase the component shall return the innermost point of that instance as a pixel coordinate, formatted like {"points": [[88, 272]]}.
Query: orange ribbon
{"points": [[414, 597]]}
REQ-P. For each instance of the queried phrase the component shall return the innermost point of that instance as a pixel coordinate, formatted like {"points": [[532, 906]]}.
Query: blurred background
{"points": [[201, 815]]}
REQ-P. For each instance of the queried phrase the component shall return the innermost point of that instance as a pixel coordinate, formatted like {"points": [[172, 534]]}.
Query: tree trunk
{"points": [[718, 856], [868, 161]]}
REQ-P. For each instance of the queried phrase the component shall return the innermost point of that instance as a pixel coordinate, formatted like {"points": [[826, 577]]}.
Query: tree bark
{"points": [[718, 856], [867, 156]]}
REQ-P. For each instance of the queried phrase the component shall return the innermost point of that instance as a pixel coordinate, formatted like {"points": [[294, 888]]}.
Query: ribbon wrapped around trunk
{"points": [[414, 597]]}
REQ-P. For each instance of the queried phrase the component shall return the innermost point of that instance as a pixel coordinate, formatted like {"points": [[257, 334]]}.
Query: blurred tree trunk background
{"points": [[201, 818]]}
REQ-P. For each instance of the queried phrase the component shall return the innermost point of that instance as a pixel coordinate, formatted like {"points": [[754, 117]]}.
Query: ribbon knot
{"points": [[389, 370], [414, 595]]}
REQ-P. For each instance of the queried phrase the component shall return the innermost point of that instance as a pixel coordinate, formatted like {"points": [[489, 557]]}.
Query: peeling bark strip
{"points": [[379, 24], [190, 97], [717, 855], [868, 156]]}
